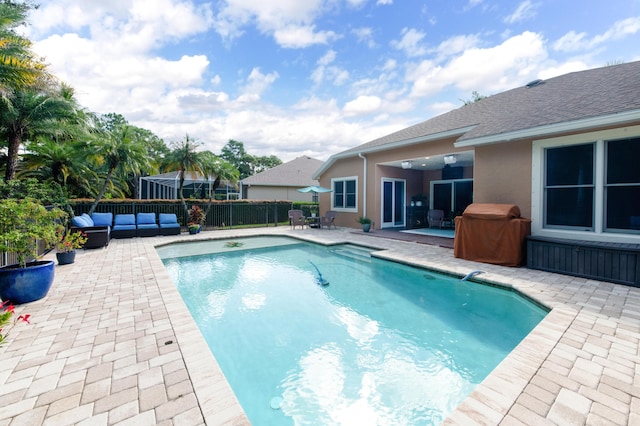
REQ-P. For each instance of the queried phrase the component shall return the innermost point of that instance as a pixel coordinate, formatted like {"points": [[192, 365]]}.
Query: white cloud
{"points": [[457, 44], [491, 69], [525, 11], [411, 42], [284, 19], [325, 72], [362, 105], [572, 41], [365, 35], [384, 2]]}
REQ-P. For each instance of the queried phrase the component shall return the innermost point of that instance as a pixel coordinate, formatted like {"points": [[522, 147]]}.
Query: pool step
{"points": [[354, 252]]}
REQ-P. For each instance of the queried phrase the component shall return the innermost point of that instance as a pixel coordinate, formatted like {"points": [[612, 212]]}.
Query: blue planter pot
{"points": [[66, 258], [24, 285]]}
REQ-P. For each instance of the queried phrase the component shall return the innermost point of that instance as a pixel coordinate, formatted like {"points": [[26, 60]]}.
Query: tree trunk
{"points": [[102, 191], [15, 139]]}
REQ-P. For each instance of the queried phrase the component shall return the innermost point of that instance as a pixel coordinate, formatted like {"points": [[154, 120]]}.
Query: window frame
{"points": [[344, 180], [599, 232]]}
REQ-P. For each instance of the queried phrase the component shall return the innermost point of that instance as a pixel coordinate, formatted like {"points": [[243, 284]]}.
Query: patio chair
{"points": [[435, 218], [168, 223], [96, 227], [328, 219], [124, 226], [296, 217], [146, 225]]}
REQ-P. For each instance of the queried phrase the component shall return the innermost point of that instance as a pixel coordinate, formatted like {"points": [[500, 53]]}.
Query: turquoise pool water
{"points": [[383, 343]]}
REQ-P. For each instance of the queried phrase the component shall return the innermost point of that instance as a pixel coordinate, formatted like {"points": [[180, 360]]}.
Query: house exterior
{"points": [[166, 186], [282, 182], [565, 150]]}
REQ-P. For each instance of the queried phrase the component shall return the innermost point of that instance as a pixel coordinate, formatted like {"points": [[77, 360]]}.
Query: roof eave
{"points": [[388, 146], [550, 129]]}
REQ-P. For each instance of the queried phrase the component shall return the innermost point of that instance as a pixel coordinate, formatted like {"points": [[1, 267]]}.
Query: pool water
{"points": [[382, 343]]}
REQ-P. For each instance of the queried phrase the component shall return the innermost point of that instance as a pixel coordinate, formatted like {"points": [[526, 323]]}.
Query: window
{"points": [[587, 186], [344, 193], [569, 186], [622, 185]]}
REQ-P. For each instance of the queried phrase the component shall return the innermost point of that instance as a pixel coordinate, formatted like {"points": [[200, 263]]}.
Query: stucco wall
{"points": [[276, 193], [502, 174], [343, 168]]}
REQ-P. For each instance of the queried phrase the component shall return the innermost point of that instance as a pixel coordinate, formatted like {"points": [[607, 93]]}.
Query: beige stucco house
{"points": [[565, 150], [282, 182]]}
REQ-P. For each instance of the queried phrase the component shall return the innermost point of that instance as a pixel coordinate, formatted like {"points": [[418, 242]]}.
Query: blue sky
{"points": [[315, 77]]}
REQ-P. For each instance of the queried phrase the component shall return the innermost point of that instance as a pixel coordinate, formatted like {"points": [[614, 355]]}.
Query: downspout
{"points": [[364, 185]]}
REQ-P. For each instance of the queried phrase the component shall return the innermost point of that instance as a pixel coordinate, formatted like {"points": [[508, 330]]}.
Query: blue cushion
{"points": [[125, 219], [79, 221], [88, 219], [146, 219], [102, 219], [168, 220]]}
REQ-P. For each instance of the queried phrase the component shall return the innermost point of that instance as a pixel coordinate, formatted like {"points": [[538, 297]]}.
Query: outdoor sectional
{"points": [[124, 226], [146, 225], [168, 223], [96, 227]]}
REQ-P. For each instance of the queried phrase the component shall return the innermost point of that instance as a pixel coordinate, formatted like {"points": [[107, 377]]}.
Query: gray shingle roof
{"points": [[567, 98], [296, 173]]}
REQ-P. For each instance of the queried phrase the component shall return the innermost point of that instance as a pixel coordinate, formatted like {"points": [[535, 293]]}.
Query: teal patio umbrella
{"points": [[315, 189]]}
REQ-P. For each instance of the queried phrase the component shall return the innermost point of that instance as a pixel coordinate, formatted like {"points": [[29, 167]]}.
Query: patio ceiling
{"points": [[433, 162]]}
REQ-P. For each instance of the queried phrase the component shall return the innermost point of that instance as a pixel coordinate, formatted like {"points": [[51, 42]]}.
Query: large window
{"points": [[344, 193], [622, 184], [569, 186], [588, 186]]}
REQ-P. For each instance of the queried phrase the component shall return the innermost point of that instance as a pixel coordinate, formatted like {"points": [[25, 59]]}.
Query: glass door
{"points": [[393, 202]]}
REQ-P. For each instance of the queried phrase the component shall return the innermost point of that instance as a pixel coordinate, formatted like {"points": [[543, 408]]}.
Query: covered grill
{"points": [[491, 233]]}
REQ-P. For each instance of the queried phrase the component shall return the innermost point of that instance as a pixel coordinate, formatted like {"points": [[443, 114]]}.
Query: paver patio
{"points": [[113, 343]]}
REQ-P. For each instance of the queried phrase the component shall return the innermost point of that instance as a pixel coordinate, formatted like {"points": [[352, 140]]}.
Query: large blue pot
{"points": [[24, 285]]}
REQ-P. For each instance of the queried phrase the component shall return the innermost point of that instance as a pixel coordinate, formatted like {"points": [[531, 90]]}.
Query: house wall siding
{"points": [[502, 174], [276, 193]]}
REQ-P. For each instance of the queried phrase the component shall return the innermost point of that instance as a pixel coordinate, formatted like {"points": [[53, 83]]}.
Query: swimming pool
{"points": [[382, 343]]}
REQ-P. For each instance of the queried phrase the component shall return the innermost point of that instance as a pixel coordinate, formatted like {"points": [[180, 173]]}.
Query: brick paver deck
{"points": [[113, 343]]}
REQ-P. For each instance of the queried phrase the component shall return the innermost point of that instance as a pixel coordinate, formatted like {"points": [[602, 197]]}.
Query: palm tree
{"points": [[18, 65], [218, 169], [32, 112], [185, 159], [120, 152]]}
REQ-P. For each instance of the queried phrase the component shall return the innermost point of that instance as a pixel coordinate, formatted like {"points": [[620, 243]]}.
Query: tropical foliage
{"points": [[47, 137]]}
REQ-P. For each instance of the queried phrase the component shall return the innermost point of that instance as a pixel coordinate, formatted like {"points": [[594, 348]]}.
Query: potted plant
{"points": [[314, 211], [6, 321], [24, 223], [365, 222], [67, 244], [196, 219]]}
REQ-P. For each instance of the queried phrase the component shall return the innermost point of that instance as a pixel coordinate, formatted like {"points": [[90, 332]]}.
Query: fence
{"points": [[220, 214]]}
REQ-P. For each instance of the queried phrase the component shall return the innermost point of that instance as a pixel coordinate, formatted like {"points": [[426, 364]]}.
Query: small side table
{"points": [[313, 222]]}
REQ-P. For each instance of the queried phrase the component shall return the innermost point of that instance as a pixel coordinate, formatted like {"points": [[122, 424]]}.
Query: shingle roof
{"points": [[296, 173], [567, 98]]}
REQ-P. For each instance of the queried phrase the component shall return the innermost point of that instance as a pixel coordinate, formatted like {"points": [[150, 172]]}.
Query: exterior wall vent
{"points": [[534, 83]]}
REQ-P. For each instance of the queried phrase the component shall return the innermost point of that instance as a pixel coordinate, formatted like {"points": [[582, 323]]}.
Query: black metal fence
{"points": [[220, 214]]}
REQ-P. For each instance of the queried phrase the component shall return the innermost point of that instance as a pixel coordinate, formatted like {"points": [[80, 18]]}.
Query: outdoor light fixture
{"points": [[406, 164], [449, 159]]}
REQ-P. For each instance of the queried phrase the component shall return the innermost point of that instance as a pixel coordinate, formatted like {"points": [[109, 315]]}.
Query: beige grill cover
{"points": [[491, 233]]}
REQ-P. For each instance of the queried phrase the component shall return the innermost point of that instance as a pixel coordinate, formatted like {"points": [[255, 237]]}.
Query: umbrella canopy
{"points": [[314, 188]]}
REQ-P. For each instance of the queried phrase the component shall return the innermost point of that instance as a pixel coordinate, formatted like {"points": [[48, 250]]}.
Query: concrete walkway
{"points": [[113, 343]]}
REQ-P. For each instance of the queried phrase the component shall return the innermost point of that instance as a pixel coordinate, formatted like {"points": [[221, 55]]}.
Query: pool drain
{"points": [[276, 402]]}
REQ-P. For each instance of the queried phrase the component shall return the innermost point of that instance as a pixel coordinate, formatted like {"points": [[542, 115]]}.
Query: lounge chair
{"points": [[168, 223], [296, 217], [328, 219], [146, 225], [435, 218], [124, 226], [96, 227]]}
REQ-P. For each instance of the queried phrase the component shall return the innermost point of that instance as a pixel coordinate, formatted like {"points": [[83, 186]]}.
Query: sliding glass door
{"points": [[393, 202]]}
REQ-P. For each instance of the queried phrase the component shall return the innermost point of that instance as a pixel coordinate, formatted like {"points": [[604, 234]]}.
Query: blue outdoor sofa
{"points": [[96, 227], [168, 223], [146, 225], [124, 226]]}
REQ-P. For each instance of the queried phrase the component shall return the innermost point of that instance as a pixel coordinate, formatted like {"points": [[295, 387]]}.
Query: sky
{"points": [[315, 77]]}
